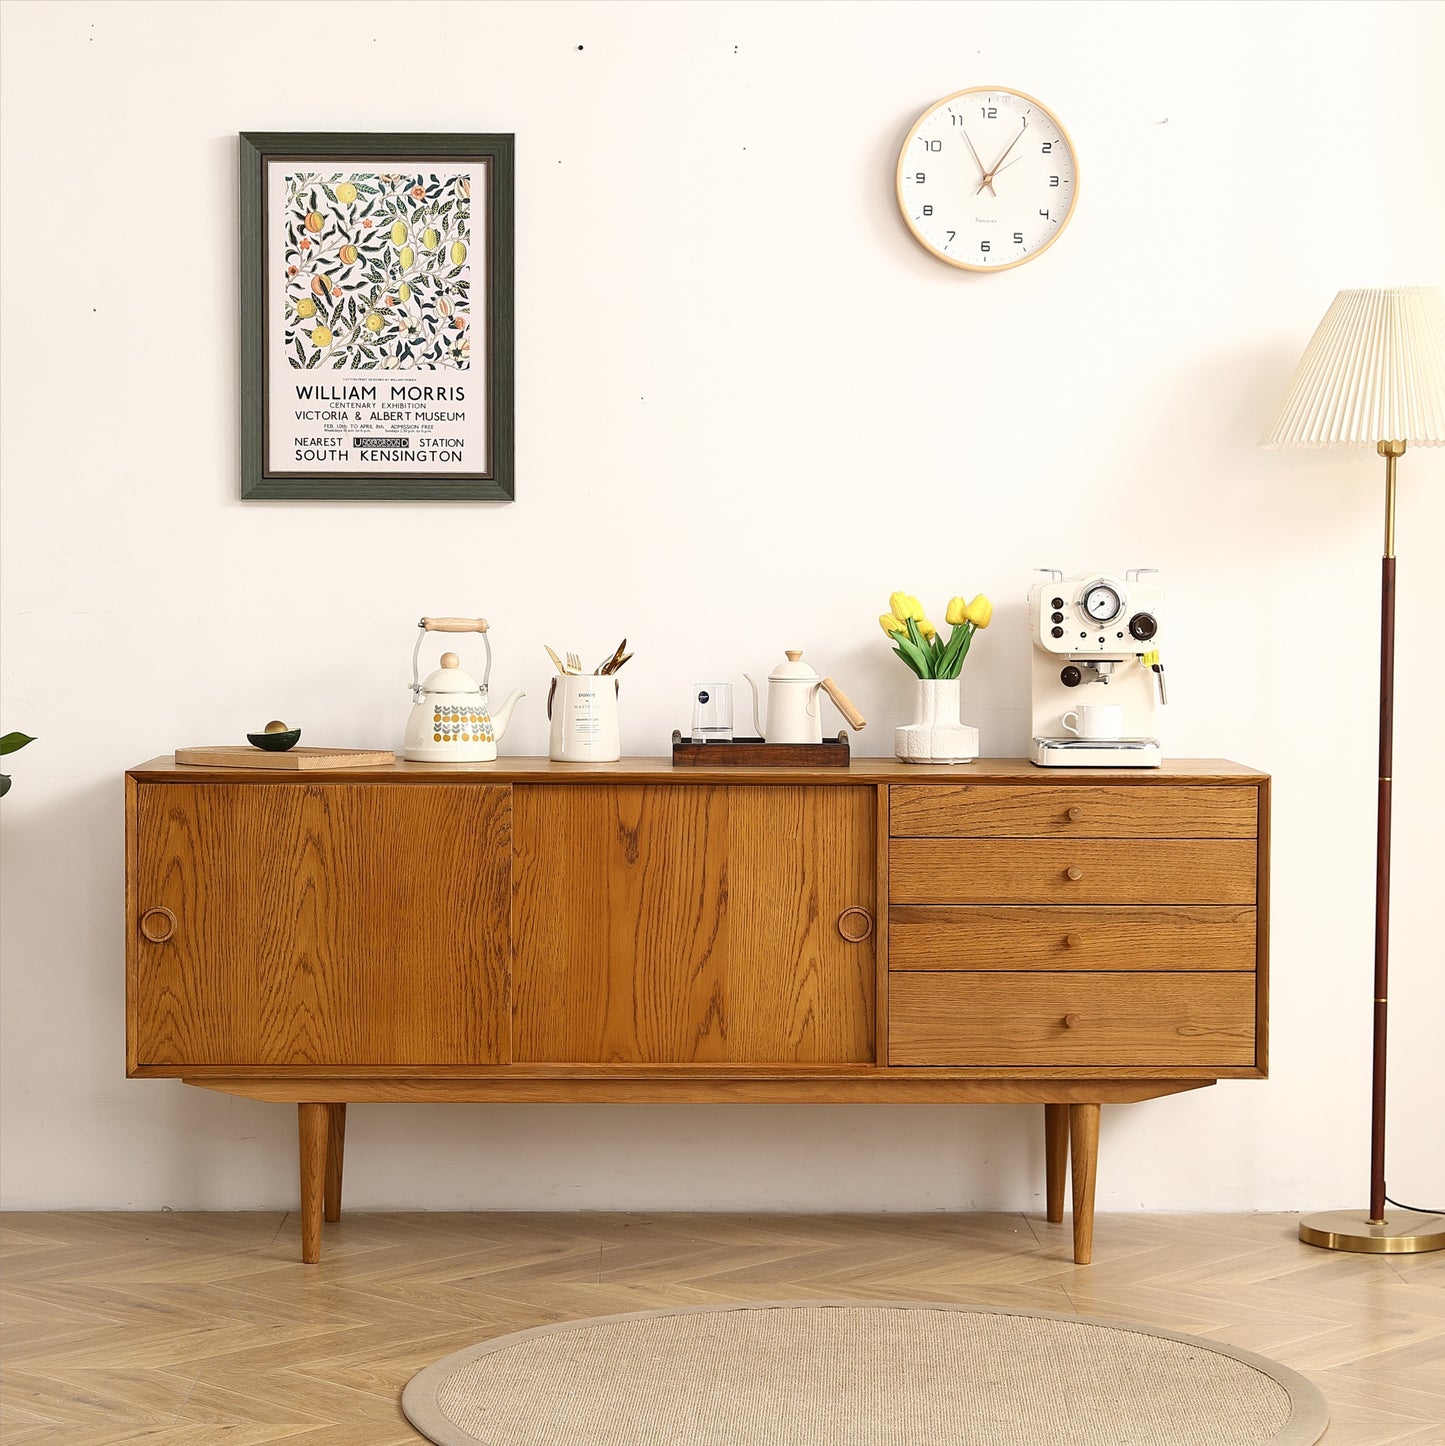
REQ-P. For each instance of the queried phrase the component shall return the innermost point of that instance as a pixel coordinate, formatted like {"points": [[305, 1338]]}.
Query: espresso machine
{"points": [[1096, 641]]}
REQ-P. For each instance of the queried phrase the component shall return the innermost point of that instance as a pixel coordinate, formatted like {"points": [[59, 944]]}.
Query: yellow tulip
{"points": [[904, 606], [926, 628], [891, 625], [956, 609], [979, 612]]}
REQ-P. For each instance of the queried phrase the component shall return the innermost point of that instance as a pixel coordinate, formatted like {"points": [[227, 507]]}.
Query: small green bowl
{"points": [[274, 742]]}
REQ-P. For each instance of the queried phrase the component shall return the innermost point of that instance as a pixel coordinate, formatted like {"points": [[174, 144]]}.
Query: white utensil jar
{"points": [[583, 710]]}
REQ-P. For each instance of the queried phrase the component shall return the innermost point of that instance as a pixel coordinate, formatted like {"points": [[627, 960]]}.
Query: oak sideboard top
{"points": [[659, 769]]}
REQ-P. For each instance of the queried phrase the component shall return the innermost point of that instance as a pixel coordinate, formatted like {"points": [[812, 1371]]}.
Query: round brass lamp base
{"points": [[1403, 1232]]}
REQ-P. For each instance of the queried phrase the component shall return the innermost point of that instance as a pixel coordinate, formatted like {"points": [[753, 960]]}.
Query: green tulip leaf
{"points": [[900, 653], [13, 741]]}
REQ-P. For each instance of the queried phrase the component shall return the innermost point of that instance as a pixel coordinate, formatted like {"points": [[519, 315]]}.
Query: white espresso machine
{"points": [[1096, 640]]}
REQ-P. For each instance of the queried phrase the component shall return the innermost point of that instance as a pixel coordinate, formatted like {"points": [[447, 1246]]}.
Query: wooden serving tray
{"points": [[245, 756], [756, 753]]}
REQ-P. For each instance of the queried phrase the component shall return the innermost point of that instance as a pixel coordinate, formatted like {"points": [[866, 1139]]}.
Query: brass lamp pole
{"points": [[1374, 374]]}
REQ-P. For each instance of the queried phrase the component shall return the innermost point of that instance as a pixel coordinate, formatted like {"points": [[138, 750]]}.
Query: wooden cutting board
{"points": [[239, 756]]}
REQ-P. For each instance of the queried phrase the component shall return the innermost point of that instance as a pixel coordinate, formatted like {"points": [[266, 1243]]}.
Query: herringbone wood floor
{"points": [[184, 1330]]}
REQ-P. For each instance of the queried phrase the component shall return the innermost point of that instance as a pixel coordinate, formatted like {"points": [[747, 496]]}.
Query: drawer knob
{"points": [[158, 924], [1071, 1021], [855, 924], [1072, 941], [1074, 872], [1075, 814]]}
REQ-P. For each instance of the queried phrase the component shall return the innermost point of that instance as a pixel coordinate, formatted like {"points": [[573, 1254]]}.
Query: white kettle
{"points": [[450, 721], [795, 714]]}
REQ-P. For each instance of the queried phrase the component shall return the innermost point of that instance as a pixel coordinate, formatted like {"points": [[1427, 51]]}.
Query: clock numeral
{"points": [[1048, 146], [1053, 180], [955, 119], [951, 235], [988, 112], [1018, 238], [928, 210], [932, 145], [919, 178], [983, 246], [1044, 214]]}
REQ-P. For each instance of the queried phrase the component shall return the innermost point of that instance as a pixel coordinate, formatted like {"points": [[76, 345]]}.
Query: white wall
{"points": [[748, 406]]}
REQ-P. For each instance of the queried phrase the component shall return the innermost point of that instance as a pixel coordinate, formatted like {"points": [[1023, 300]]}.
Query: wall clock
{"points": [[987, 179]]}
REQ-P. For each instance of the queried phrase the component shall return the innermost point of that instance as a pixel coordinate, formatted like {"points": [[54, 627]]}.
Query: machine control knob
{"points": [[1056, 617], [1056, 632], [1058, 602], [1071, 1021], [1074, 873], [1071, 676], [1143, 626]]}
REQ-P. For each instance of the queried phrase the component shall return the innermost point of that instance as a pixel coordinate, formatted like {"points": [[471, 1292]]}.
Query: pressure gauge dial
{"points": [[1102, 603]]}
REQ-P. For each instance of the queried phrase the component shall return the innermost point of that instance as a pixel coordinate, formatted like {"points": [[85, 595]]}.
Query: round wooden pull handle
{"points": [[1072, 941], [1074, 872], [863, 928], [158, 924], [1075, 814], [1070, 1021]]}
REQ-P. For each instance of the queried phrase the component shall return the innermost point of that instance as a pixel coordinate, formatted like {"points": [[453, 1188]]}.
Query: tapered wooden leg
{"points": [[312, 1128], [1084, 1137], [335, 1151], [1056, 1157]]}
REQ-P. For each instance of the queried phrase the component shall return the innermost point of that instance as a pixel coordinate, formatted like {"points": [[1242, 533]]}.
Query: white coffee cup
{"points": [[1096, 720]]}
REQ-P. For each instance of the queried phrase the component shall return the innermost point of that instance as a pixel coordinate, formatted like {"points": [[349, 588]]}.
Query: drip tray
{"points": [[1097, 753]]}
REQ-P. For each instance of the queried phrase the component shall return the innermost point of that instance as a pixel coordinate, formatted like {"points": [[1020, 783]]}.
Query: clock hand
{"points": [[986, 180], [998, 164]]}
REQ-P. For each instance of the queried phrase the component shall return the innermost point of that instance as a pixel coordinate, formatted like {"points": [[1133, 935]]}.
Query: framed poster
{"points": [[376, 316]]}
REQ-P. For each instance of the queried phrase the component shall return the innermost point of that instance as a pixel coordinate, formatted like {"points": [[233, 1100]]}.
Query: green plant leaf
{"points": [[11, 742], [908, 660], [913, 655]]}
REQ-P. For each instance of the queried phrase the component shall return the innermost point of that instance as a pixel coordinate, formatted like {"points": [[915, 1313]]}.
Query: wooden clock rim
{"points": [[908, 141]]}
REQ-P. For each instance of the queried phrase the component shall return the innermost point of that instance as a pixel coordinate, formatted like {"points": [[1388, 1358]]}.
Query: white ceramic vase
{"points": [[937, 733]]}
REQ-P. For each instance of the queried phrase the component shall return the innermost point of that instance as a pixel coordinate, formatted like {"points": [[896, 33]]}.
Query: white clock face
{"points": [[987, 179]]}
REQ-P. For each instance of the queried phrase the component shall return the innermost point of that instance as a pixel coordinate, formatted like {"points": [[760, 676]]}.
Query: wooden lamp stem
{"points": [[1390, 451]]}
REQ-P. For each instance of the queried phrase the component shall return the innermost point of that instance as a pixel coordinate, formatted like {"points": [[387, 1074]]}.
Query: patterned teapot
{"points": [[450, 721]]}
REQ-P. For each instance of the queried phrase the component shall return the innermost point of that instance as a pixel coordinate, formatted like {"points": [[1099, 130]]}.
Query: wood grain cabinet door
{"points": [[318, 924], [686, 923]]}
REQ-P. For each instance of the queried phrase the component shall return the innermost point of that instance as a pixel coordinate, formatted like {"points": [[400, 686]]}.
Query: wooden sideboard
{"points": [[536, 931]]}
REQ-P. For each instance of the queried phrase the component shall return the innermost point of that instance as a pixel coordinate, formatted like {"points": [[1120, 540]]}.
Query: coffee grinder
{"points": [[1095, 640]]}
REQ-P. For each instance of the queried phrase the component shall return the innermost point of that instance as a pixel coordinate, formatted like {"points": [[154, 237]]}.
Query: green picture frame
{"points": [[377, 316]]}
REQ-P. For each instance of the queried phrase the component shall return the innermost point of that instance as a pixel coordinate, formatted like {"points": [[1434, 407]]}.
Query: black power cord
{"points": [[1415, 1208]]}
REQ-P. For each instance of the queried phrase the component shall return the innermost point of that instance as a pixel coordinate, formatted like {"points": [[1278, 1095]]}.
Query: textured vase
{"points": [[937, 733]]}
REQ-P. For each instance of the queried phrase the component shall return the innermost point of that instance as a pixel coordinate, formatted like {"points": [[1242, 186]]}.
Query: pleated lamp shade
{"points": [[1374, 371]]}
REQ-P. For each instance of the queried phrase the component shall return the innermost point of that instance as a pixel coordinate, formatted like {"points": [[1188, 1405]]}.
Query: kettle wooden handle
{"points": [[454, 625], [844, 705]]}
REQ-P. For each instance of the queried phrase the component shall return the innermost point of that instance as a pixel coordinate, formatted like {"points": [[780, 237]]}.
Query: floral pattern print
{"points": [[378, 275]]}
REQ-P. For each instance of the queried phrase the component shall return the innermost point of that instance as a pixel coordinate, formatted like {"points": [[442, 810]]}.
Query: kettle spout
{"points": [[503, 715]]}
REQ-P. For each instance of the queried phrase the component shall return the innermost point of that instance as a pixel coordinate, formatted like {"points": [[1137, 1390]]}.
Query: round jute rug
{"points": [[859, 1373]]}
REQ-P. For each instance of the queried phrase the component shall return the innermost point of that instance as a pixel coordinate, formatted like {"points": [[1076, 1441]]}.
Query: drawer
{"points": [[1071, 871], [1020, 936], [1141, 811], [1113, 1020]]}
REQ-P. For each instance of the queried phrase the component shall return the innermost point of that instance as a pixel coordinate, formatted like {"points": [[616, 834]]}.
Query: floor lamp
{"points": [[1373, 375]]}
